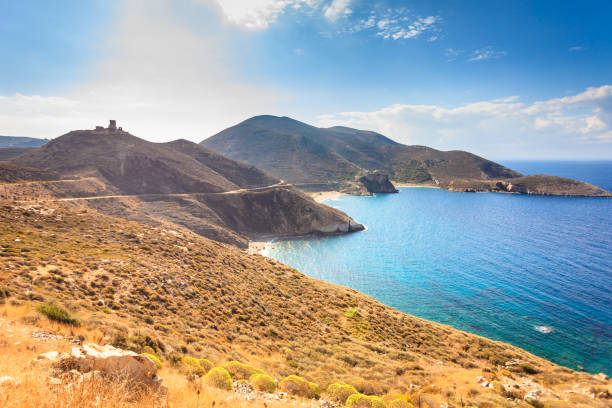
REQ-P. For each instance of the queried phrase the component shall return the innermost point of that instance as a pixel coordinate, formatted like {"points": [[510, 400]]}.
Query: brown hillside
{"points": [[300, 153], [183, 295], [178, 182], [320, 158]]}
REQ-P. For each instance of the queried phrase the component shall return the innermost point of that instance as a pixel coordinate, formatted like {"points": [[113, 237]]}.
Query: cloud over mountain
{"points": [[503, 127]]}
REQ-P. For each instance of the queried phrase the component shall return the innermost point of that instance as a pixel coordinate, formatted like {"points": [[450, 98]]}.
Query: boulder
{"points": [[376, 182], [111, 362]]}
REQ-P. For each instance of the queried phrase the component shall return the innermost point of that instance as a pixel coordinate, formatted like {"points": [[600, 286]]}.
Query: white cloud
{"points": [[156, 76], [337, 9], [259, 14], [398, 24], [486, 53], [576, 48], [578, 126]]}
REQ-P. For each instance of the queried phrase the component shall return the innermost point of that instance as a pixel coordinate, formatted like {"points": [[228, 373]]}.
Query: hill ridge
{"points": [[306, 155]]}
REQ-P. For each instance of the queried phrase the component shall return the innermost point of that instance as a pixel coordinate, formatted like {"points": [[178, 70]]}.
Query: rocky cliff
{"points": [[376, 182]]}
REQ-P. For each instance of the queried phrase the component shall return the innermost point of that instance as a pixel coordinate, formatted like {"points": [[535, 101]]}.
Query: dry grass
{"points": [[177, 294]]}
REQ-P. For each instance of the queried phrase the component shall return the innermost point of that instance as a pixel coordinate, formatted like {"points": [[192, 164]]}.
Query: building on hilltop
{"points": [[112, 125]]}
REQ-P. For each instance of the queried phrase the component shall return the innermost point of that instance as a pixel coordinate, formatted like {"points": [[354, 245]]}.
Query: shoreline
{"points": [[408, 185], [320, 196]]}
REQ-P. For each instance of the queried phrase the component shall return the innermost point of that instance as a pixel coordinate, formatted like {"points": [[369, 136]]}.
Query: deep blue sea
{"points": [[532, 271]]}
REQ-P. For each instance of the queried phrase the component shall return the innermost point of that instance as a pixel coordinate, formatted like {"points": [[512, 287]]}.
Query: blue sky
{"points": [[515, 79]]}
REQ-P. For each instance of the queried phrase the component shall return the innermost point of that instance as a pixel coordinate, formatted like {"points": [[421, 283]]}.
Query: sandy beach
{"points": [[256, 247], [319, 196], [407, 185]]}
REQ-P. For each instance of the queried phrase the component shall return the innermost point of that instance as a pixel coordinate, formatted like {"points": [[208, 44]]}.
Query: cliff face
{"points": [[376, 182]]}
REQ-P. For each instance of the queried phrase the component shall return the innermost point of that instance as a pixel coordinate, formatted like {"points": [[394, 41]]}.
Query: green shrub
{"points": [[314, 391], [192, 366], [528, 369], [339, 392], [241, 371], [154, 359], [365, 401], [263, 382], [296, 385], [205, 364], [58, 314], [399, 403], [218, 377]]}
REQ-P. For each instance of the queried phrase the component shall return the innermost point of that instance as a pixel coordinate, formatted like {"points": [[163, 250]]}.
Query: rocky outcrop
{"points": [[376, 182], [277, 211], [537, 184], [94, 361]]}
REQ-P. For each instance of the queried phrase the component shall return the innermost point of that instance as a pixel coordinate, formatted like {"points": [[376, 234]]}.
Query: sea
{"points": [[532, 271]]}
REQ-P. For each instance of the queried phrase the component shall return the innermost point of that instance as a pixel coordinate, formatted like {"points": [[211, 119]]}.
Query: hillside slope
{"points": [[309, 156], [180, 294], [20, 141], [178, 182]]}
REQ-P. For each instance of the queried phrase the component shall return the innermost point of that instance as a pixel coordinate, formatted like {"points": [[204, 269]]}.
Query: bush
{"points": [[58, 314], [339, 392], [297, 385], [218, 377], [365, 401], [399, 403], [205, 364], [528, 369], [367, 387], [241, 371], [154, 359], [314, 391], [263, 382], [193, 366]]}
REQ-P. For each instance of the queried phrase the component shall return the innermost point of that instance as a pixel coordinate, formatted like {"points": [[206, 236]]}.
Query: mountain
{"points": [[20, 141], [12, 146], [309, 156], [178, 183], [178, 295]]}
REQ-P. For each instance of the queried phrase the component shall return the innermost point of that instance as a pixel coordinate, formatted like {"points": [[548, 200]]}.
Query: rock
{"points": [[94, 360], [376, 182], [8, 380], [51, 355], [601, 377], [54, 381]]}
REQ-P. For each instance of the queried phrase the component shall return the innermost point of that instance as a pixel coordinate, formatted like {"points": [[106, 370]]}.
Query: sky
{"points": [[502, 79]]}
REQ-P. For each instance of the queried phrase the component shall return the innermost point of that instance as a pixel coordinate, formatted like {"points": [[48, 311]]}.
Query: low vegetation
{"points": [[58, 314], [154, 359], [339, 392], [184, 299], [241, 371], [263, 382], [365, 401], [296, 385], [218, 377]]}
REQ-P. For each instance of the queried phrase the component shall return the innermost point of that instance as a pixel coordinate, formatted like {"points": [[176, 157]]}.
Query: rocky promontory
{"points": [[376, 182], [536, 184]]}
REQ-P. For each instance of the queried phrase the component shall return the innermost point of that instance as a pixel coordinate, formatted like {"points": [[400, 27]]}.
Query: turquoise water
{"points": [[532, 271]]}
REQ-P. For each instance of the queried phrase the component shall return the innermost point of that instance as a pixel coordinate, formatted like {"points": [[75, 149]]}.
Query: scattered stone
{"points": [[51, 355], [601, 377], [54, 381], [8, 380]]}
